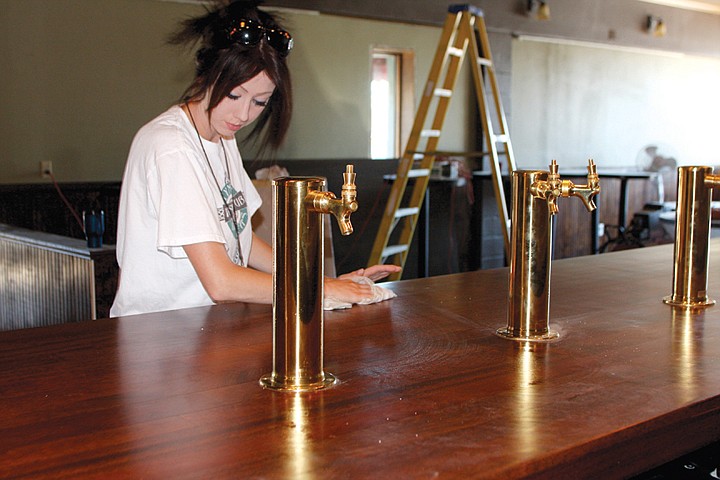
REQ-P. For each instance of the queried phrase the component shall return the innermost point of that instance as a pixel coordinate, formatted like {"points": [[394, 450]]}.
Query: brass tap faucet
{"points": [[342, 208], [692, 237], [298, 277], [529, 279], [554, 188]]}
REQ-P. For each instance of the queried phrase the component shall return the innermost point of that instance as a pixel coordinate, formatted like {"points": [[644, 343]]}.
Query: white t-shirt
{"points": [[170, 198]]}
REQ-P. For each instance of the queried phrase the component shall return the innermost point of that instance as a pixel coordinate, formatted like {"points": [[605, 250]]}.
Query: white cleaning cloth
{"points": [[379, 294]]}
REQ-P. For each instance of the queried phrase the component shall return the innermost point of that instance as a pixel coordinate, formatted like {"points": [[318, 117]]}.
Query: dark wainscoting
{"points": [[475, 241], [469, 239], [451, 241], [573, 236], [464, 232], [464, 225], [40, 207]]}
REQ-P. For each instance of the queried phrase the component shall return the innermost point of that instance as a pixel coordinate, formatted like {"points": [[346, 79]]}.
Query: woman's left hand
{"points": [[374, 273]]}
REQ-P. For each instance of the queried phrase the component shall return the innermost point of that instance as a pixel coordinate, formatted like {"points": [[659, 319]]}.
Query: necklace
{"points": [[231, 206]]}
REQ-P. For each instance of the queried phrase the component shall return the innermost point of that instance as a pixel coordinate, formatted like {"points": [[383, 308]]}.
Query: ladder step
{"points": [[455, 52], [406, 212], [484, 62], [430, 133], [413, 173], [501, 138], [443, 92], [394, 250], [418, 172]]}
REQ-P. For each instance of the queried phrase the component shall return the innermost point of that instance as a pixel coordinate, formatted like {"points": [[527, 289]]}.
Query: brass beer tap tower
{"points": [[535, 194], [298, 273], [692, 237]]}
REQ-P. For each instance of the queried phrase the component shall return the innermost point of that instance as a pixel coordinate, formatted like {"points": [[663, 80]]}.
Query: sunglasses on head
{"points": [[248, 32]]}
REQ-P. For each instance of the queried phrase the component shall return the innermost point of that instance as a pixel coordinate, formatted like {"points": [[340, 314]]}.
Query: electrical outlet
{"points": [[46, 169]]}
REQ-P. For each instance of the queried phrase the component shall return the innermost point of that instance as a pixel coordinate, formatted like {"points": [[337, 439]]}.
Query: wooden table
{"points": [[427, 390]]}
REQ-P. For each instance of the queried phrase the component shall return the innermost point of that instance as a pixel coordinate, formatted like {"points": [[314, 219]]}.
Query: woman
{"points": [[184, 232]]}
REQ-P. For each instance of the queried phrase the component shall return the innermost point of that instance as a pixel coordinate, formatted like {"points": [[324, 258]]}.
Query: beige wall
{"points": [[331, 73], [81, 76], [611, 22], [572, 102]]}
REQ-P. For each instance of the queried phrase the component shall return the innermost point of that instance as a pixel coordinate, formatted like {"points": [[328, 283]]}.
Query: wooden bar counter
{"points": [[427, 390]]}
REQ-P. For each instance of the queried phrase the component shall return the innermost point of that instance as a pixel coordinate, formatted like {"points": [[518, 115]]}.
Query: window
{"points": [[391, 101]]}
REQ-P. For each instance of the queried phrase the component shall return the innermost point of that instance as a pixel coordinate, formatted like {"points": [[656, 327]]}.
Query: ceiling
{"points": [[708, 6]]}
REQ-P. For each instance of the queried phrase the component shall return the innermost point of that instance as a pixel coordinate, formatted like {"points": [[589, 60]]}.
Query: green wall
{"points": [[81, 76]]}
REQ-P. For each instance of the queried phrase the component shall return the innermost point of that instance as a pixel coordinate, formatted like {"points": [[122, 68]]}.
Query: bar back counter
{"points": [[426, 388], [50, 279]]}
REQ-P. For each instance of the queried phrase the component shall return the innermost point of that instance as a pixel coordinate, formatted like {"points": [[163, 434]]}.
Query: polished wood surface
{"points": [[427, 389]]}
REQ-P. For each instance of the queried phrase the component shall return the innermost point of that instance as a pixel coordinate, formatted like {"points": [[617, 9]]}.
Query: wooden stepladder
{"points": [[464, 30]]}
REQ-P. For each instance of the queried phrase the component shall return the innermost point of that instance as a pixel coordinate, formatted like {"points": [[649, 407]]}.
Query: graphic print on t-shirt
{"points": [[234, 203]]}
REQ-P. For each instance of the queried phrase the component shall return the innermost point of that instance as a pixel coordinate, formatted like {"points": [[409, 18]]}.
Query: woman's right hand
{"points": [[347, 291]]}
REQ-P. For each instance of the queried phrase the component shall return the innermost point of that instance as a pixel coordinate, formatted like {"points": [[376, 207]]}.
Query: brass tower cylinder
{"points": [[529, 279], [298, 233], [692, 238]]}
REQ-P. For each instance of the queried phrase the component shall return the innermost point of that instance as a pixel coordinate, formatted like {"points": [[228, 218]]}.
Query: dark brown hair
{"points": [[222, 65]]}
